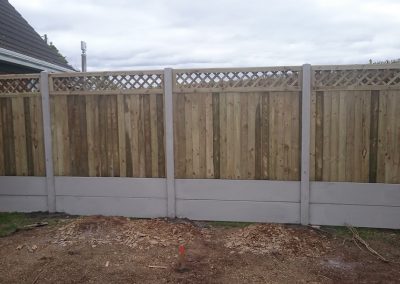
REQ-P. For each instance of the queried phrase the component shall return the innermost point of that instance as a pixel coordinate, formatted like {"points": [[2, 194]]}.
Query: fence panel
{"points": [[21, 126], [355, 125], [108, 125], [237, 124]]}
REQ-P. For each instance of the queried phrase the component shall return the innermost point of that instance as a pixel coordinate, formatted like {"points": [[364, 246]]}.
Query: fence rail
{"points": [[208, 124]]}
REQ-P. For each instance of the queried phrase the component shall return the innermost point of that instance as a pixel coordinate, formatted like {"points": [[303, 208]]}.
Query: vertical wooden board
{"points": [[350, 123], [216, 134], [175, 117], [147, 134], [54, 139], [392, 169], [237, 135], [251, 119], [28, 136], [319, 135], [62, 117], [128, 136], [102, 101], [9, 141], [334, 136], [326, 153], [273, 134], [115, 136], [93, 135], [110, 136], [312, 134], [280, 134], [90, 100], [264, 135], [83, 134], [72, 133], [202, 135], [154, 136], [373, 136], [78, 136], [180, 140], [244, 133], [19, 136], [287, 129], [195, 136], [96, 137], [230, 143], [37, 136], [342, 137], [144, 155], [188, 136], [2, 129], [357, 136], [121, 135], [56, 130], [138, 135], [382, 138], [223, 135], [209, 135], [365, 134], [160, 135], [295, 136]]}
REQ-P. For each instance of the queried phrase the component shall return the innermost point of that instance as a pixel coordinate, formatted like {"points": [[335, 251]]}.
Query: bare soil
{"points": [[100, 249]]}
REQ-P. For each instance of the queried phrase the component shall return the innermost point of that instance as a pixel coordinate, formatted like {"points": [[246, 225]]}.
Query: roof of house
{"points": [[16, 35]]}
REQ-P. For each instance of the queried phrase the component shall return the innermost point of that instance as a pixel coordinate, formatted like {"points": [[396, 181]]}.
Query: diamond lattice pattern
{"points": [[238, 79], [108, 82], [349, 78], [19, 85]]}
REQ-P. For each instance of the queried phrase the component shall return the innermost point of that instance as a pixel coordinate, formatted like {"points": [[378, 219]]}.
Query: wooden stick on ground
{"points": [[357, 239]]}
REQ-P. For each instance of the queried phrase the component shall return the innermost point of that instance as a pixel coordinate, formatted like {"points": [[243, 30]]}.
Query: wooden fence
{"points": [[209, 125], [228, 124]]}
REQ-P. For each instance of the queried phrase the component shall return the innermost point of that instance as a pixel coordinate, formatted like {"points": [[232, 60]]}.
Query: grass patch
{"points": [[226, 224], [365, 233], [11, 222]]}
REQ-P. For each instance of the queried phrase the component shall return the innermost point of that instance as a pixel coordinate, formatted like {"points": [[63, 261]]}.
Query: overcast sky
{"points": [[123, 34]]}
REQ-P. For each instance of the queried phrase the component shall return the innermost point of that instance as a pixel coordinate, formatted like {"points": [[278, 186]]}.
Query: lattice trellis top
{"points": [[110, 82], [356, 78], [231, 79], [19, 84]]}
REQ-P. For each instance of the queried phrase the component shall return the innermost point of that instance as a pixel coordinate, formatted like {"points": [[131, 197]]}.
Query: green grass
{"points": [[365, 233], [11, 222], [226, 224]]}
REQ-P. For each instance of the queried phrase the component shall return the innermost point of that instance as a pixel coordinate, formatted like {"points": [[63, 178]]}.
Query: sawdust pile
{"points": [[134, 233], [277, 239]]}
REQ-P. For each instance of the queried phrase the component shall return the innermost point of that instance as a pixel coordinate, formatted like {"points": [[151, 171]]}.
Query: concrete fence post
{"points": [[48, 151], [169, 142], [305, 145]]}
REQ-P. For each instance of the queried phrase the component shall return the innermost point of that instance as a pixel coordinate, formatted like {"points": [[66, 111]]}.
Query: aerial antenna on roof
{"points": [[83, 48], [45, 38]]}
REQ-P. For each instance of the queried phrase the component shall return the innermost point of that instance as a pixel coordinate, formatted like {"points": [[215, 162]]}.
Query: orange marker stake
{"points": [[181, 257]]}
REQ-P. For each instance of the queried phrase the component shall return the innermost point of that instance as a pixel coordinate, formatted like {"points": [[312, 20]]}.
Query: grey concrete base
{"points": [[331, 203], [134, 197], [238, 200], [358, 204], [355, 215], [242, 211], [22, 194], [112, 206]]}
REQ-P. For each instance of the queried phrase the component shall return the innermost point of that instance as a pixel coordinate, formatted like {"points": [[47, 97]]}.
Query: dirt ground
{"points": [[100, 249]]}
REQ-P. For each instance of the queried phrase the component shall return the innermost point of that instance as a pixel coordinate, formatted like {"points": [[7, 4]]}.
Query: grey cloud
{"points": [[123, 34]]}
